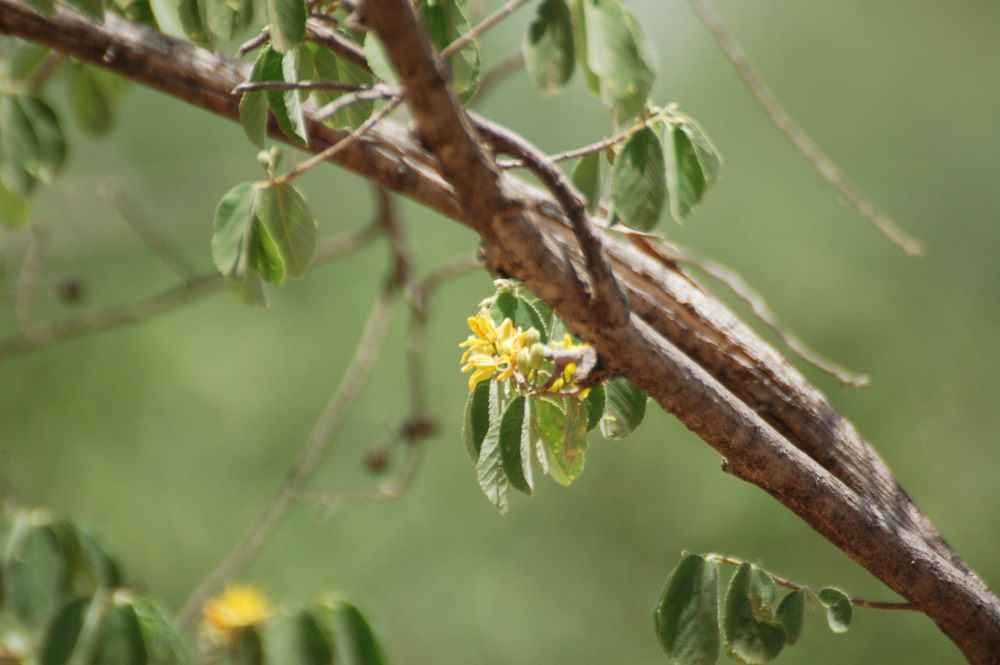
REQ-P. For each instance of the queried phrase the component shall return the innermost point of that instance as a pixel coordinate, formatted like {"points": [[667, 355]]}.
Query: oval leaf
{"points": [[287, 19], [284, 213], [477, 418], [19, 147], [446, 21], [750, 639], [687, 614], [512, 426], [548, 47], [354, 638], [792, 614], [624, 408], [120, 640], [639, 180], [94, 95], [839, 608], [586, 176]]}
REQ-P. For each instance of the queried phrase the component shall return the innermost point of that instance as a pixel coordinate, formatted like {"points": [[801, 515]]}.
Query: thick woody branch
{"points": [[681, 345]]}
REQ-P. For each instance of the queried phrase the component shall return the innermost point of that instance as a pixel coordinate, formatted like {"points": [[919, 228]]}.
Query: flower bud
{"points": [[536, 356], [532, 337], [523, 362]]}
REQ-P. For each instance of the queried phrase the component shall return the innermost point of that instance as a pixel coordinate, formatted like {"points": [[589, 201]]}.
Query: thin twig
{"points": [[255, 43], [43, 335], [328, 153], [484, 25], [789, 584], [498, 73], [667, 254], [379, 91], [809, 149], [605, 290], [336, 42], [581, 151], [27, 279], [305, 466], [298, 85], [156, 241]]}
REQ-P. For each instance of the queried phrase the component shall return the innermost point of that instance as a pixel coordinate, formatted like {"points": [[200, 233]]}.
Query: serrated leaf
{"points": [[19, 148], [624, 408], [617, 55], [92, 8], [119, 640], [586, 176], [489, 468], [639, 180], [748, 638], [355, 640], [284, 213], [228, 18], [691, 167], [330, 67], [194, 23], [561, 425], [839, 609], [792, 614], [49, 136], [446, 21], [595, 406], [512, 427], [477, 417], [298, 640], [687, 614], [548, 47], [94, 95], [287, 19], [63, 631]]}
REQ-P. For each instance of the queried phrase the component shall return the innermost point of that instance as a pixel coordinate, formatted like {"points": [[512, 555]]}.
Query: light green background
{"points": [[167, 437]]}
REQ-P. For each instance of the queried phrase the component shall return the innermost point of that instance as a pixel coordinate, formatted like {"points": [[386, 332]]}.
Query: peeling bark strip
{"points": [[681, 345]]}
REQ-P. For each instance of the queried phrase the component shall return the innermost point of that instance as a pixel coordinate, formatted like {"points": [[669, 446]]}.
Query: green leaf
{"points": [[639, 180], [687, 614], [247, 649], [232, 240], [446, 21], [513, 449], [194, 23], [120, 641], [355, 640], [548, 47], [228, 18], [792, 614], [751, 635], [595, 406], [94, 95], [489, 469], [162, 639], [14, 209], [18, 147], [265, 256], [92, 8], [523, 311], [586, 176], [561, 426], [253, 117], [286, 105], [283, 211], [36, 570], [46, 7], [624, 408], [477, 418], [63, 631], [839, 608], [379, 60], [330, 67], [29, 56], [616, 55], [298, 640], [693, 165], [287, 19], [49, 135]]}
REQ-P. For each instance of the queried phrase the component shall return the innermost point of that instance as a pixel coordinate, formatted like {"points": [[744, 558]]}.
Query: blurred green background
{"points": [[169, 436]]}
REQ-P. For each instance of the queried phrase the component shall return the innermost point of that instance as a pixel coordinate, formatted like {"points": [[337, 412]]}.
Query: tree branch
{"points": [[681, 345]]}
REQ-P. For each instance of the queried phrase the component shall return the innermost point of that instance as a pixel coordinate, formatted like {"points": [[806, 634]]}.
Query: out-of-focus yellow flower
{"points": [[490, 350], [235, 607], [565, 380]]}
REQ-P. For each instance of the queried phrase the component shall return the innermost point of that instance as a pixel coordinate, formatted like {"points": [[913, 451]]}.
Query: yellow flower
{"points": [[235, 607], [490, 350]]}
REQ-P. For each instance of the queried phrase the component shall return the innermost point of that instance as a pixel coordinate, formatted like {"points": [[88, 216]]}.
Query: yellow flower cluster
{"points": [[565, 380], [490, 350], [236, 607]]}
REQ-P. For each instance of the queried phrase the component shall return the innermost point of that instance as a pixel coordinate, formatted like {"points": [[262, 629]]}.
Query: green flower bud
{"points": [[523, 362], [536, 356], [532, 337]]}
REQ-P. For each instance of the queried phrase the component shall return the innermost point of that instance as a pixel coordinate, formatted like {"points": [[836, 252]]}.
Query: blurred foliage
{"points": [[169, 436]]}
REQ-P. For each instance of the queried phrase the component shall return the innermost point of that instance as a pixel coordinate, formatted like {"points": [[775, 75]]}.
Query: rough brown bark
{"points": [[681, 345]]}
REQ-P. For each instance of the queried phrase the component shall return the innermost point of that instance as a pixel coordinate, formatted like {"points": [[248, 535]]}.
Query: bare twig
{"points": [[255, 43], [40, 336], [148, 233], [305, 465], [299, 85], [809, 149], [336, 42], [795, 586], [484, 25], [582, 151], [331, 151], [379, 91]]}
